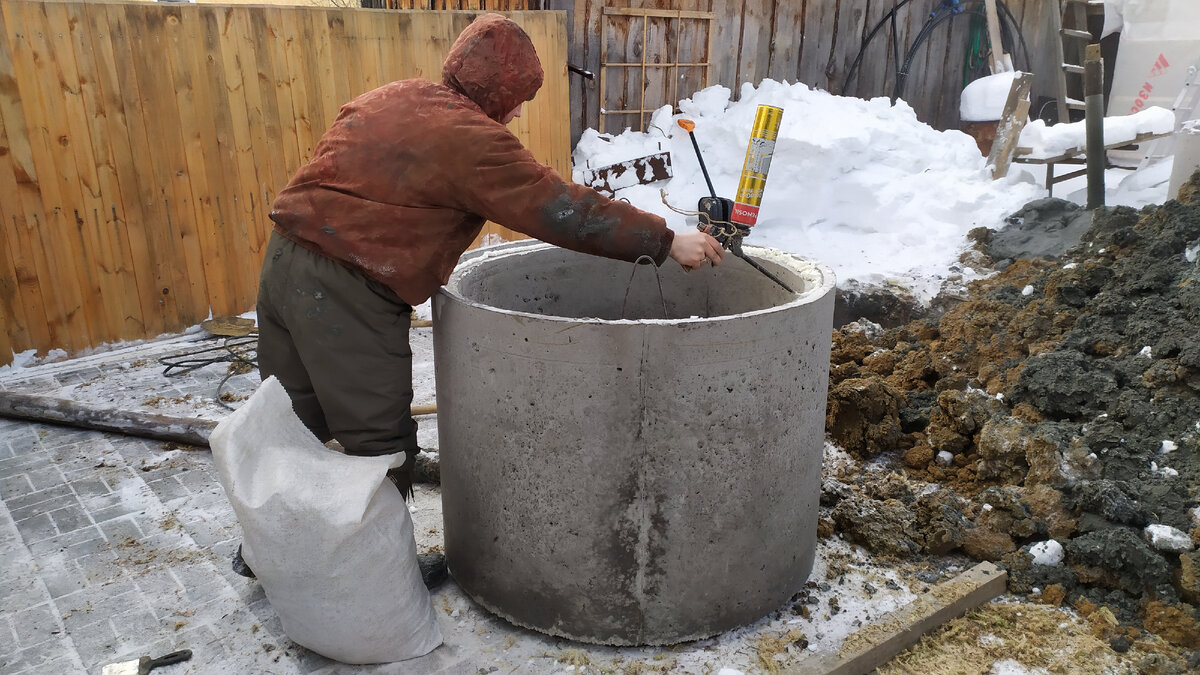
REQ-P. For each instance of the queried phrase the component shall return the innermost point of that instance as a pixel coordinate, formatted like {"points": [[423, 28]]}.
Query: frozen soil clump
{"points": [[1049, 422]]}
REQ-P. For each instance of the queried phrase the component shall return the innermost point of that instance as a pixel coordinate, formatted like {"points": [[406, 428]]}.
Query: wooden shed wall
{"points": [[809, 41], [142, 144]]}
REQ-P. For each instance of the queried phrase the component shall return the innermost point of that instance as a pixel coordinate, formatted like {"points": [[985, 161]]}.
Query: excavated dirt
{"points": [[1059, 400]]}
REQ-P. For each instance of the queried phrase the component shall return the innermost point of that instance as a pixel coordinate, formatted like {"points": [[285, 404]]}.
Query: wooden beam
{"points": [[1012, 120], [876, 644], [1000, 62]]}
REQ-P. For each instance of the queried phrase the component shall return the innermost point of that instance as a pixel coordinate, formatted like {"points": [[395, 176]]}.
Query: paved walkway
{"points": [[114, 547]]}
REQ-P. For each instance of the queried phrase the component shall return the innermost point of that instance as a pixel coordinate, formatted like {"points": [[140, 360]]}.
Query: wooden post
{"points": [[1093, 91], [1000, 63], [1012, 120]]}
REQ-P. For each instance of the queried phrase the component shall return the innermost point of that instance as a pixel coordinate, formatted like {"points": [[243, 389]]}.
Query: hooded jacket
{"points": [[404, 179]]}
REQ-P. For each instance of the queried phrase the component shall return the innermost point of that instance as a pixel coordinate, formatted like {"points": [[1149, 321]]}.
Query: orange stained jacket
{"points": [[402, 182]]}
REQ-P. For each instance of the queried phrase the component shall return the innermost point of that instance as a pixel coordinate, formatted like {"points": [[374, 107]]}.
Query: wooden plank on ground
{"points": [[1012, 120], [891, 634]]}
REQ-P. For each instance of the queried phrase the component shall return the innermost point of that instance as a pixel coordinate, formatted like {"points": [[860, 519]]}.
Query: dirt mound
{"points": [[1060, 400]]}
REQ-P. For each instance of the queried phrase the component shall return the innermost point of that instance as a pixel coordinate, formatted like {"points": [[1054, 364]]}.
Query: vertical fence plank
{"points": [[118, 282], [196, 129], [97, 281], [65, 316], [126, 207], [166, 159], [787, 40], [18, 183]]}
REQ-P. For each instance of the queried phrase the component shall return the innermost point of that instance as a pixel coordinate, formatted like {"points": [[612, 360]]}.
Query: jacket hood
{"points": [[494, 64]]}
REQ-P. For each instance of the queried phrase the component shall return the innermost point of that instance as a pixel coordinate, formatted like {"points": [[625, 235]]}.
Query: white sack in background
{"points": [[328, 535]]}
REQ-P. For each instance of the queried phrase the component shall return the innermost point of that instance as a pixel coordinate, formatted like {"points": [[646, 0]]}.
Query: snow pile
{"points": [[863, 186], [1051, 141], [983, 100]]}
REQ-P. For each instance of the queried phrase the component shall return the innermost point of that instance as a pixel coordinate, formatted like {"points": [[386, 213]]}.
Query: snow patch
{"points": [[1167, 538], [1048, 553]]}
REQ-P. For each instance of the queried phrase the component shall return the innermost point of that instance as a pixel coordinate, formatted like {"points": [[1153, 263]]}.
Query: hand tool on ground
{"points": [[726, 220], [146, 664]]}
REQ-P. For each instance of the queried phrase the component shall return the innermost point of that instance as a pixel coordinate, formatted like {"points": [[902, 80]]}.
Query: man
{"points": [[397, 189]]}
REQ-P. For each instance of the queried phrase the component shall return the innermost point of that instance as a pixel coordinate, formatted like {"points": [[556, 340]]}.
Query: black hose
{"points": [[941, 14]]}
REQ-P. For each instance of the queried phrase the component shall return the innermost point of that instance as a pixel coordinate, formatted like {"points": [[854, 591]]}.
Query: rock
{"points": [[984, 544], [1119, 644], [918, 457], [1046, 504], [1064, 385], [833, 491], [1006, 511], [1189, 577], [1176, 624], [1108, 499], [1117, 558], [941, 524], [863, 416], [1001, 447], [882, 527]]}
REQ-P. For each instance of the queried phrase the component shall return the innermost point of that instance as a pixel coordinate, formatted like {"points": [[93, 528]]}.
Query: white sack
{"points": [[327, 534]]}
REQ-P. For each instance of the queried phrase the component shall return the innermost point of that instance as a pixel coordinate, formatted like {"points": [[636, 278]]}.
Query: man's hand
{"points": [[693, 249]]}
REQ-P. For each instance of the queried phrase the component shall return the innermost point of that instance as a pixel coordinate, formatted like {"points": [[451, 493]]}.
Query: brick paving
{"points": [[114, 547]]}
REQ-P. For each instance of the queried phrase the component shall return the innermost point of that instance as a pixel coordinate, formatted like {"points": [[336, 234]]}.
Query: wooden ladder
{"points": [[1071, 39]]}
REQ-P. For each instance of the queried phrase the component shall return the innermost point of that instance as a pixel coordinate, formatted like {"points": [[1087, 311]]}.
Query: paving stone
{"points": [[121, 528], [96, 644], [169, 490], [62, 581], [36, 659], [21, 591], [15, 486], [35, 625], [64, 544], [51, 498], [72, 518], [36, 528]]}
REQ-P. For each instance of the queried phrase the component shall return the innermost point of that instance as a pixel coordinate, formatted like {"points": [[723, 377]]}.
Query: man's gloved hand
{"points": [[693, 249]]}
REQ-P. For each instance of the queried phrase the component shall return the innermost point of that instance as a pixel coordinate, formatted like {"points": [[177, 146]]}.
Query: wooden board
{"points": [[891, 634]]}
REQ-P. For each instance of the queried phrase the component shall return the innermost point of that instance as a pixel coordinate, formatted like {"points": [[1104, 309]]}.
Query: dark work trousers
{"points": [[338, 343]]}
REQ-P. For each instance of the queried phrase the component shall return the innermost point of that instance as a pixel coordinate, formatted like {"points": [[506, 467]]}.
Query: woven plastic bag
{"points": [[328, 535]]}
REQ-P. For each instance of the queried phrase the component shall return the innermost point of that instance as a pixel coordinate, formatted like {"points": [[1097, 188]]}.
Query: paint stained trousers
{"points": [[338, 343]]}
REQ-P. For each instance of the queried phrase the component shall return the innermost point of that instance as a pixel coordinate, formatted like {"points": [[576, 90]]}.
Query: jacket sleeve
{"points": [[499, 179]]}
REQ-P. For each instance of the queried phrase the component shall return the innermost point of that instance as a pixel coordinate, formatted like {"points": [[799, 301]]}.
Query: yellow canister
{"points": [[758, 162]]}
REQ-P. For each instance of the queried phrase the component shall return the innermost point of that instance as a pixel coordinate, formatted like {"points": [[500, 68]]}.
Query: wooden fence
{"points": [[141, 146], [729, 42]]}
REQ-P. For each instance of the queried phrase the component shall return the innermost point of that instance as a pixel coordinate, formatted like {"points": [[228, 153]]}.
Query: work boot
{"points": [[433, 569], [240, 566]]}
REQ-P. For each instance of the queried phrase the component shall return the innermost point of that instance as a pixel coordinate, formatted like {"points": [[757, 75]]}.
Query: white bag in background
{"points": [[328, 535]]}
